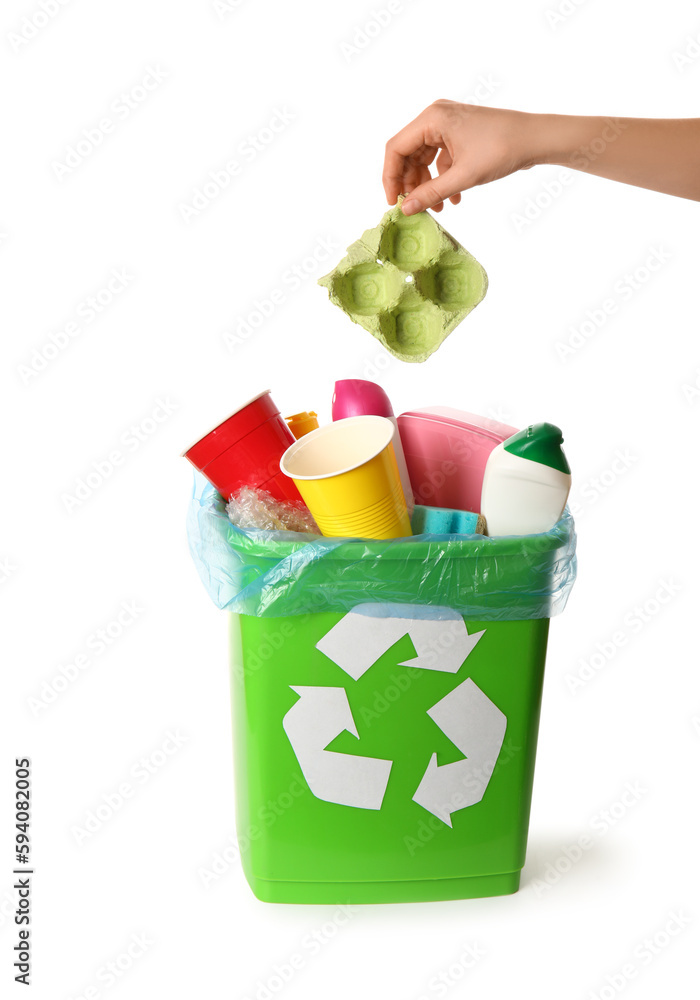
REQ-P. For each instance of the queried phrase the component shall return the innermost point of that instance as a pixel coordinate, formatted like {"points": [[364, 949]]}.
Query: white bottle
{"points": [[526, 482]]}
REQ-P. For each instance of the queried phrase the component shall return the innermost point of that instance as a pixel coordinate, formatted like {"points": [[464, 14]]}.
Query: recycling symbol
{"points": [[465, 715]]}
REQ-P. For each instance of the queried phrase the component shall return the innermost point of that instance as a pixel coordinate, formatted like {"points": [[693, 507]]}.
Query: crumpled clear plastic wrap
{"points": [[278, 573], [253, 508]]}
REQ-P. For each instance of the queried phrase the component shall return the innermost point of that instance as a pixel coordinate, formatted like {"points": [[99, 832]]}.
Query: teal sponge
{"points": [[442, 521]]}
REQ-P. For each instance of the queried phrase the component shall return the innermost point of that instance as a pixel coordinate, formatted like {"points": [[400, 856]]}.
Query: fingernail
{"points": [[410, 207]]}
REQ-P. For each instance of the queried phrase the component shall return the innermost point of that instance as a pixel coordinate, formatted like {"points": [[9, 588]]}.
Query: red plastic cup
{"points": [[245, 450]]}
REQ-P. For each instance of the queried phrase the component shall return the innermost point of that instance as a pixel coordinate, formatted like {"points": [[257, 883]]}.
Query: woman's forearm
{"points": [[662, 154], [471, 145]]}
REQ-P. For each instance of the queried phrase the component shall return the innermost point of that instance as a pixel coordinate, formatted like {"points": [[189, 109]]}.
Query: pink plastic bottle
{"points": [[355, 397]]}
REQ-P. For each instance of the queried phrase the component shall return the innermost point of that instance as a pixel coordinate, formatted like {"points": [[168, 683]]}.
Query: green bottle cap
{"points": [[539, 443]]}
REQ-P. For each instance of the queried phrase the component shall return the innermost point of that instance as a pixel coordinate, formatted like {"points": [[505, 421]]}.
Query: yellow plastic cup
{"points": [[347, 474], [302, 423]]}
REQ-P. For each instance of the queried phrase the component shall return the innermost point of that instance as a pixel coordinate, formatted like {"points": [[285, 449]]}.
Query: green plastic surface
{"points": [[539, 443], [282, 573], [298, 848], [417, 891], [408, 283]]}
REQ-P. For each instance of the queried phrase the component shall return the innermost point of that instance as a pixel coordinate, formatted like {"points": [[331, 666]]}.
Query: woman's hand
{"points": [[473, 145]]}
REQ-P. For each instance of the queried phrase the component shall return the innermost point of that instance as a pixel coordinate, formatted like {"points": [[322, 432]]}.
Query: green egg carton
{"points": [[408, 283]]}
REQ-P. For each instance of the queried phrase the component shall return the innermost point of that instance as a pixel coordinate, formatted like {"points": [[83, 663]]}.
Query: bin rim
{"points": [[280, 573], [282, 544]]}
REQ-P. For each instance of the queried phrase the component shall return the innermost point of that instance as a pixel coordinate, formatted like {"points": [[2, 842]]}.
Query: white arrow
{"points": [[321, 714], [477, 728], [441, 645], [359, 639]]}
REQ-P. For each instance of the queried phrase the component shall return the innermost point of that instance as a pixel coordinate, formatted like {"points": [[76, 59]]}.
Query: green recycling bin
{"points": [[386, 699]]}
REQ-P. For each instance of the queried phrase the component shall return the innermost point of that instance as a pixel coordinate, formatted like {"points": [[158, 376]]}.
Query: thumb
{"points": [[434, 191]]}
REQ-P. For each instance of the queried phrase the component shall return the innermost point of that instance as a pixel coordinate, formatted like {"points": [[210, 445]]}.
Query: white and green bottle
{"points": [[526, 482]]}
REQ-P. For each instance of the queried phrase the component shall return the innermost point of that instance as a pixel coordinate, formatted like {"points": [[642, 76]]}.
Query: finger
{"points": [[432, 192], [443, 164], [455, 198], [444, 161], [415, 176], [415, 172], [423, 176], [411, 142]]}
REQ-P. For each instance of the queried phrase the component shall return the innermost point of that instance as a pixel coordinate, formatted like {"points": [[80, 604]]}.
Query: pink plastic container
{"points": [[353, 397], [446, 452], [245, 450]]}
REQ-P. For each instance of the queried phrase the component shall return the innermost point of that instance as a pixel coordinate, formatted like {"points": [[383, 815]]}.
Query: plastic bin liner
{"points": [[278, 573]]}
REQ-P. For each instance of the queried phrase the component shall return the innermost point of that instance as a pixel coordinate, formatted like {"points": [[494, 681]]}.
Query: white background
{"points": [[68, 567]]}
